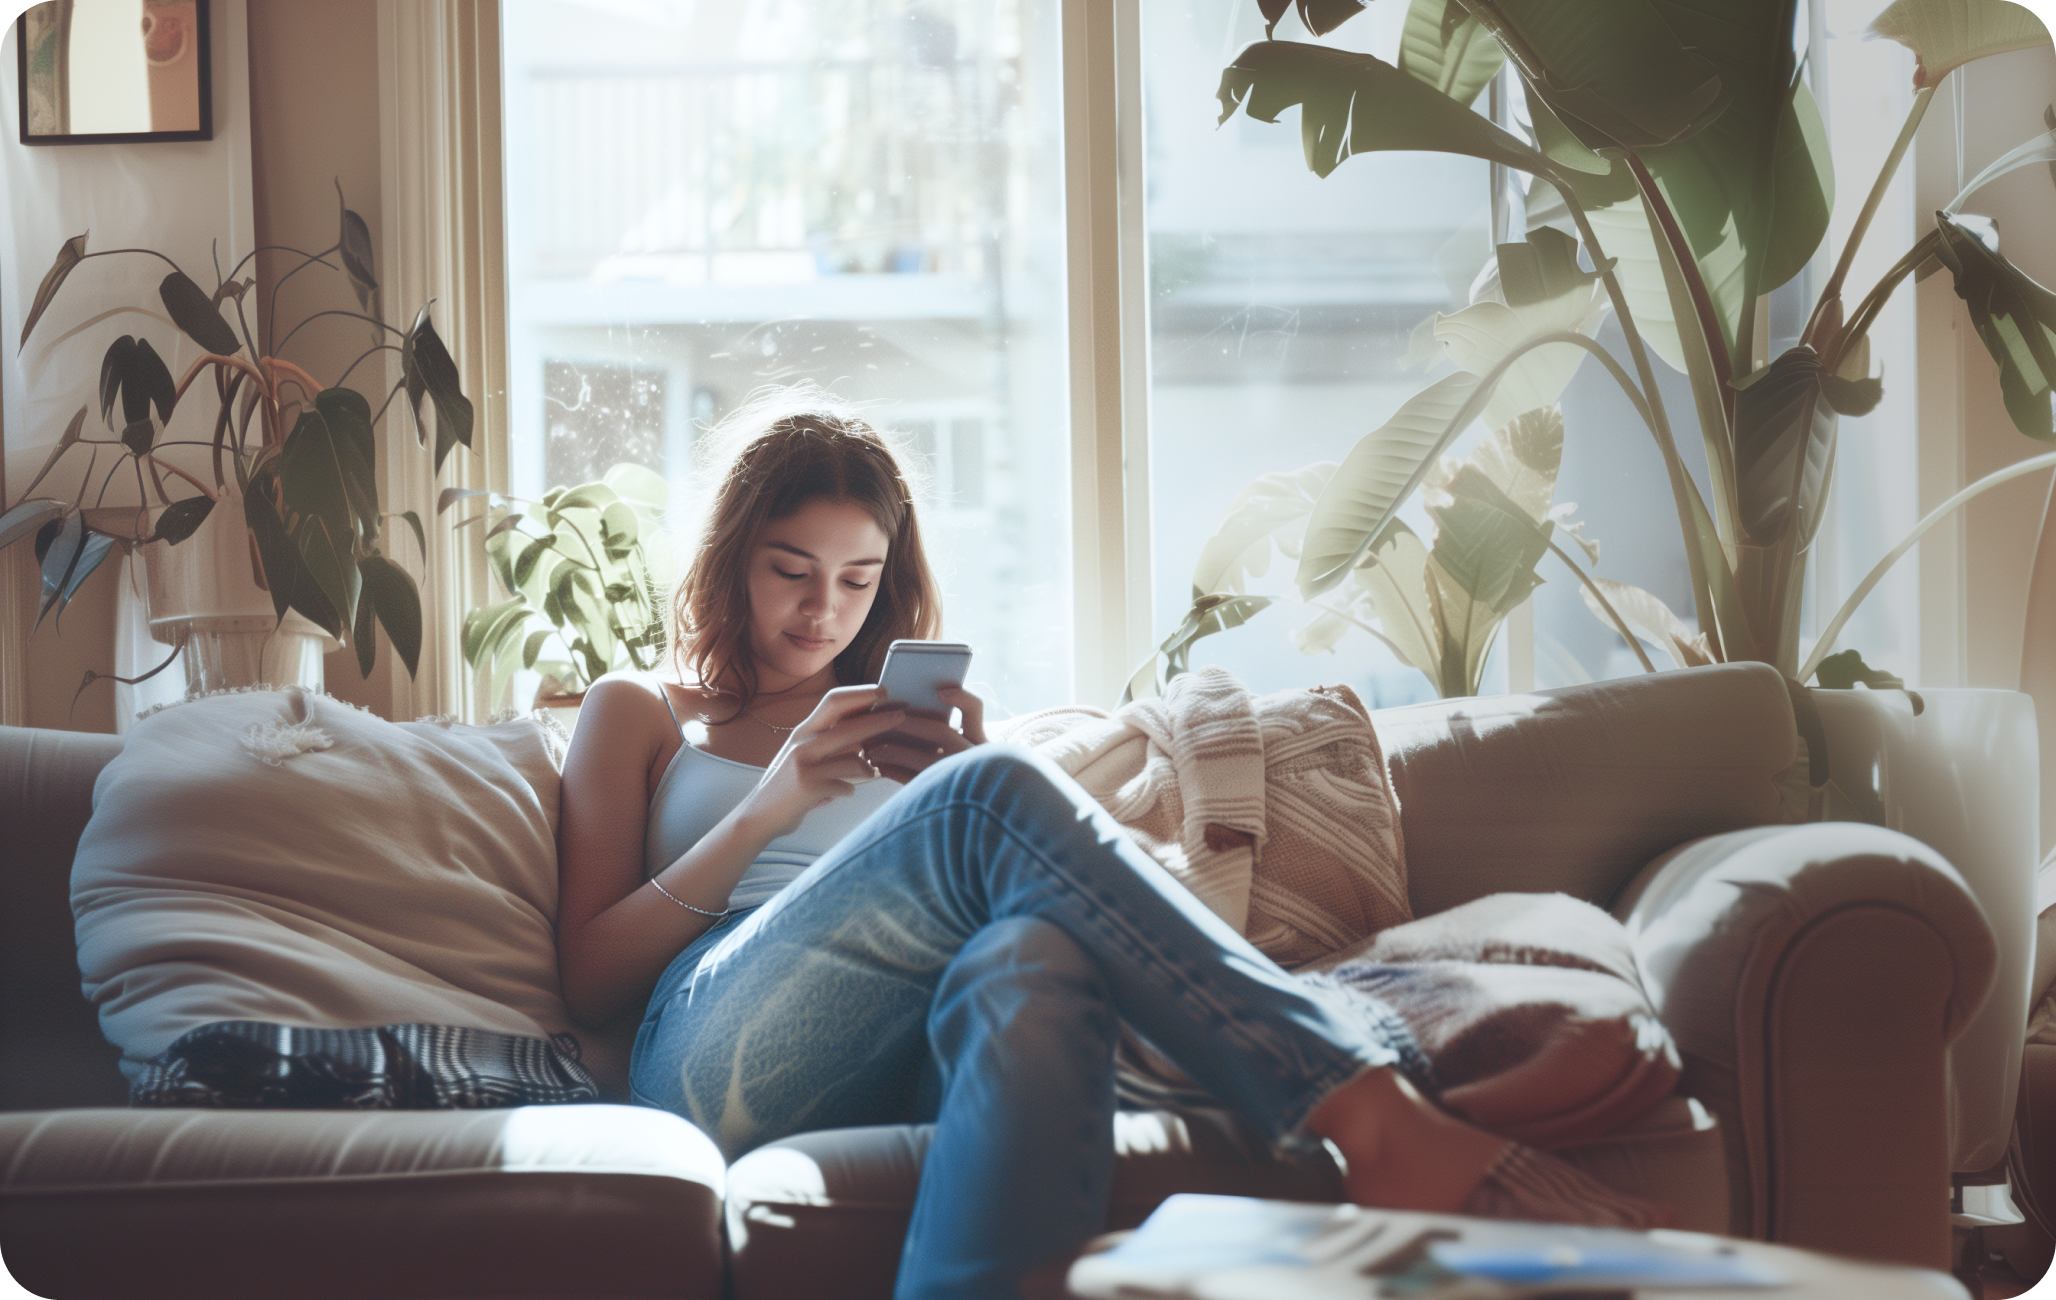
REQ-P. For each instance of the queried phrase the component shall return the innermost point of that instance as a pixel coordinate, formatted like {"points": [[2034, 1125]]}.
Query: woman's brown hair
{"points": [[791, 447]]}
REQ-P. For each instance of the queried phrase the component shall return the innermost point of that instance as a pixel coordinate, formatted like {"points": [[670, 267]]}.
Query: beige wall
{"points": [[314, 126]]}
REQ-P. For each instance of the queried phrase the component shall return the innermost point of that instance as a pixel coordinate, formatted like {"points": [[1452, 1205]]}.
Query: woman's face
{"points": [[813, 577]]}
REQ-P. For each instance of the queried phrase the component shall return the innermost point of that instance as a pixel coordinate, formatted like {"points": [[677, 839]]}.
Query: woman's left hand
{"points": [[921, 741]]}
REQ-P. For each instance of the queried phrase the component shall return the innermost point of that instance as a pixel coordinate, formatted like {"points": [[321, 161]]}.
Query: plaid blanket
{"points": [[251, 1063]]}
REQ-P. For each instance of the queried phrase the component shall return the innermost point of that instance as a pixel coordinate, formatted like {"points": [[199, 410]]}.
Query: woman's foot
{"points": [[1403, 1153]]}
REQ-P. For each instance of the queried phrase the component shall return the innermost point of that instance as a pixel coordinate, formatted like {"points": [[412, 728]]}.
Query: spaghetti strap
{"points": [[668, 708]]}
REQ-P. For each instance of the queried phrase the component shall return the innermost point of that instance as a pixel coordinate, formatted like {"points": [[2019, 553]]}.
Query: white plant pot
{"points": [[1963, 778], [205, 590]]}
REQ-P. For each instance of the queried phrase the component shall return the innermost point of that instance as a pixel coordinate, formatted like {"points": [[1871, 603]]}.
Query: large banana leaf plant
{"points": [[300, 457], [1679, 144]]}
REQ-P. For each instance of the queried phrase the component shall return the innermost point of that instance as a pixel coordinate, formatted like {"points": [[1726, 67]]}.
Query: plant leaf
{"points": [[64, 442], [312, 476], [426, 367], [2014, 316], [69, 558], [133, 373], [1784, 443], [638, 483], [69, 254], [276, 555], [181, 519], [1841, 672], [329, 585], [1354, 103], [1241, 547], [1615, 71], [363, 638], [1444, 47], [392, 594], [1549, 295], [1377, 475], [192, 309], [348, 417], [1485, 543], [1394, 578], [1652, 620], [451, 496], [1752, 191], [1217, 612], [29, 517], [480, 623], [1946, 34], [354, 241]]}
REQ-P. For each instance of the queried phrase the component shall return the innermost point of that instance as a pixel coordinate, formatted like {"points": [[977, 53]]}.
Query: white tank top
{"points": [[698, 789]]}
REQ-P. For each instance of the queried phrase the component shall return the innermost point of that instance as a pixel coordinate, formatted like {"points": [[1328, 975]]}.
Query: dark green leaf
{"points": [[1841, 672], [31, 517], [420, 537], [276, 554], [327, 591], [311, 472], [64, 442], [1753, 189], [179, 520], [1209, 614], [1852, 396], [428, 368], [349, 423], [1618, 72], [192, 309], [140, 436], [133, 373], [389, 590], [2014, 316], [355, 241], [69, 254], [364, 639], [1784, 443], [1356, 103], [1324, 16]]}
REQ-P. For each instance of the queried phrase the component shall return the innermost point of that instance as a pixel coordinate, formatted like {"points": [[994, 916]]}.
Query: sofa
{"points": [[1811, 977]]}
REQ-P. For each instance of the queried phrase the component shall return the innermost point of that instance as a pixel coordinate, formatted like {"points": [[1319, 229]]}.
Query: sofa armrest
{"points": [[1813, 977]]}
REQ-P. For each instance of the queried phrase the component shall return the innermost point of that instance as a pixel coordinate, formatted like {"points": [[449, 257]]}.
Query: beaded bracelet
{"points": [[688, 906]]}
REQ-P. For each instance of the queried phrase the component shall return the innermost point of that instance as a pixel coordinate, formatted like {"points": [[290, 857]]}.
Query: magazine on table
{"points": [[1236, 1248]]}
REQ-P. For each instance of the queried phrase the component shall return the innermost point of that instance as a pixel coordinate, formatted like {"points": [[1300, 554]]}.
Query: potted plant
{"points": [[1679, 145], [581, 590], [301, 541]]}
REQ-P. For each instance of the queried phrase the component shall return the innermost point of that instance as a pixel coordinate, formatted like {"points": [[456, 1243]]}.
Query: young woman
{"points": [[840, 916]]}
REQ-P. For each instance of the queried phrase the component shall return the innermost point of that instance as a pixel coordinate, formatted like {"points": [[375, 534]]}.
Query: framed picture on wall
{"points": [[114, 71]]}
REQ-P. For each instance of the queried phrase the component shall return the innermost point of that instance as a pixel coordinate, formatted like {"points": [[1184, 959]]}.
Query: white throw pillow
{"points": [[283, 856]]}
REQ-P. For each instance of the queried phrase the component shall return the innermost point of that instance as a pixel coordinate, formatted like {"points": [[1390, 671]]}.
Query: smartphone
{"points": [[914, 669]]}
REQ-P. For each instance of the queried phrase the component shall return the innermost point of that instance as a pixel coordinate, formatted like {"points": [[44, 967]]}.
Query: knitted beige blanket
{"points": [[1274, 810]]}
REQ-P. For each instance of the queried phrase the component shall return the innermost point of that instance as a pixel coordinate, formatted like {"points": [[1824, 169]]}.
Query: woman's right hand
{"points": [[822, 760]]}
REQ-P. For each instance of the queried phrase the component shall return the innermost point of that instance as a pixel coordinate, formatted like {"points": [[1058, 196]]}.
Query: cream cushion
{"points": [[282, 856]]}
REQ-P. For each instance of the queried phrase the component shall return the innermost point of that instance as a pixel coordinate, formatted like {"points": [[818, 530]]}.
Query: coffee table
{"points": [[1233, 1248]]}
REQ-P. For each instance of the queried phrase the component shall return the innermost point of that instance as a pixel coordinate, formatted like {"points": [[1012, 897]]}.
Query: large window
{"points": [[872, 194], [705, 199]]}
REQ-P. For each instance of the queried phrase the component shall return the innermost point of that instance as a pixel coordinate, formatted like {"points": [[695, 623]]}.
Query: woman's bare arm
{"points": [[615, 934]]}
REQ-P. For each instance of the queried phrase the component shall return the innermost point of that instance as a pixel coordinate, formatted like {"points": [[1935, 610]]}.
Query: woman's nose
{"points": [[817, 601]]}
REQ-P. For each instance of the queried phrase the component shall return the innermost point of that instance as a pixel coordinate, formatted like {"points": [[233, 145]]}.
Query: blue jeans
{"points": [[994, 920]]}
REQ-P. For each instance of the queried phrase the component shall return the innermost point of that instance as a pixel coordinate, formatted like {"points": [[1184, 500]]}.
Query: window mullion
{"points": [[1107, 330]]}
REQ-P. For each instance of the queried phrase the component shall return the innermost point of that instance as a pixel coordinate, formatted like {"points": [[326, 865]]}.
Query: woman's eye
{"points": [[783, 574], [854, 585]]}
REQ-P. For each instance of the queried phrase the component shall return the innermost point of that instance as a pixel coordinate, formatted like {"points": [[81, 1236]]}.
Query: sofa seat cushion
{"points": [[822, 1214], [541, 1201]]}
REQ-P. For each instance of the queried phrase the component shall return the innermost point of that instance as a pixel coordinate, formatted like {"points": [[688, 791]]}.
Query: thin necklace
{"points": [[772, 725]]}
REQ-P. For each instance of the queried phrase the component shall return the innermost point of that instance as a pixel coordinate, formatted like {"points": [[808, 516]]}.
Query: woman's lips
{"points": [[809, 643]]}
